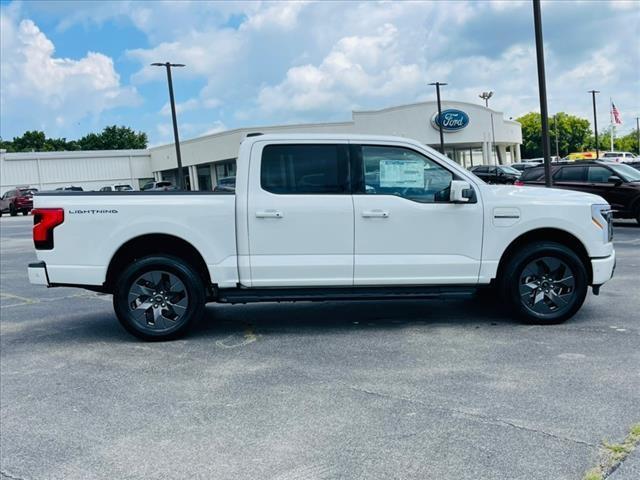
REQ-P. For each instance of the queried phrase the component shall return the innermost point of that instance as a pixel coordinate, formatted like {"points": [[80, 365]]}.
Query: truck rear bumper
{"points": [[38, 273], [603, 269]]}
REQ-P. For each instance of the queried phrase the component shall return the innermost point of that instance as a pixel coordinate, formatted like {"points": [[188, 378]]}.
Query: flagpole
{"points": [[613, 127]]}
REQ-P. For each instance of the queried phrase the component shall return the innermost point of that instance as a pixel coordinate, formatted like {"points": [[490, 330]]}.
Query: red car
{"points": [[17, 200]]}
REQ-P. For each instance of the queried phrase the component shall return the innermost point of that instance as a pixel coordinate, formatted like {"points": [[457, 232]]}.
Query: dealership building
{"points": [[473, 135]]}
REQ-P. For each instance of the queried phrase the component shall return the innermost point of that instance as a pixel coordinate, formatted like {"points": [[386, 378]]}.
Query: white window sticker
{"points": [[402, 173]]}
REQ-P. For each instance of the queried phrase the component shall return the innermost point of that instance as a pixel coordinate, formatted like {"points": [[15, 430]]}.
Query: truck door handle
{"points": [[375, 214], [269, 214]]}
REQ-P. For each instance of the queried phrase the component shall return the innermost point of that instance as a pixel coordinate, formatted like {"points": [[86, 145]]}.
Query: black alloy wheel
{"points": [[545, 282], [159, 298]]}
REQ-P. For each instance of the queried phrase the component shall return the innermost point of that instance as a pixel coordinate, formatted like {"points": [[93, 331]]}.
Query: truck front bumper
{"points": [[603, 268], [38, 273]]}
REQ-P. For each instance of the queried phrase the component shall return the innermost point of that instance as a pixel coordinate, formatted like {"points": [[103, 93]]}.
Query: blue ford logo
{"points": [[451, 119]]}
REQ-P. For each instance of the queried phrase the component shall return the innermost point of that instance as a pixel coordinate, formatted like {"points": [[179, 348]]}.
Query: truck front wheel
{"points": [[545, 283], [159, 298]]}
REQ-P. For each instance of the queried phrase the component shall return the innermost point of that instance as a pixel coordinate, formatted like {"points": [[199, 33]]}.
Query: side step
{"points": [[250, 295]]}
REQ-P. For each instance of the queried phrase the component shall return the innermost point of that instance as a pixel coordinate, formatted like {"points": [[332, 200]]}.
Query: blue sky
{"points": [[70, 68]]}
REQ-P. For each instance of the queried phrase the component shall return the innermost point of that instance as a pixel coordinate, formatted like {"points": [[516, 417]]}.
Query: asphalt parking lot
{"points": [[414, 389]]}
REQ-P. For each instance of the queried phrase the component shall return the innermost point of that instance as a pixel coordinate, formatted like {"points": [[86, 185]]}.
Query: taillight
{"points": [[518, 183], [44, 221]]}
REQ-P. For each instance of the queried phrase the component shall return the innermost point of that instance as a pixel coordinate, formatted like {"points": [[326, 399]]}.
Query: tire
{"points": [[144, 283], [544, 283], [25, 212], [12, 210]]}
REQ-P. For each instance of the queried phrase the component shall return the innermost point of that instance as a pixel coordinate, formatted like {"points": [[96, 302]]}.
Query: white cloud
{"points": [[357, 68], [58, 92], [274, 62], [191, 104]]}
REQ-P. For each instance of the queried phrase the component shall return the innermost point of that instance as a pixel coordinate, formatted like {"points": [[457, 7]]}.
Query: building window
{"points": [[225, 169], [204, 178]]}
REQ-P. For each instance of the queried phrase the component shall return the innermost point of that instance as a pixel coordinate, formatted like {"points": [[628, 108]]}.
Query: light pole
{"points": [[638, 133], [542, 87], [439, 122], [595, 121], [555, 127], [486, 96], [168, 66]]}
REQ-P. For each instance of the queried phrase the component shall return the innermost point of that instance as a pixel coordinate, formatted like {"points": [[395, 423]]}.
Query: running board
{"points": [[322, 294]]}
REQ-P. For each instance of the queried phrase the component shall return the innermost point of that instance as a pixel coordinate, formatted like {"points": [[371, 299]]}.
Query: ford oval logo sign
{"points": [[452, 120]]}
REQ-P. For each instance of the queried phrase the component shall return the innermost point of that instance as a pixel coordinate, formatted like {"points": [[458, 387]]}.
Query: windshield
{"points": [[626, 172], [508, 169], [123, 188]]}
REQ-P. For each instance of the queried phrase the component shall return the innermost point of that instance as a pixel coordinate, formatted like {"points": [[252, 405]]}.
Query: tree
{"points": [[573, 134], [111, 138], [114, 138], [626, 143]]}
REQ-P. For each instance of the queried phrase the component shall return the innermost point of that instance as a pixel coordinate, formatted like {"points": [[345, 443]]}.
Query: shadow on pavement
{"points": [[304, 318]]}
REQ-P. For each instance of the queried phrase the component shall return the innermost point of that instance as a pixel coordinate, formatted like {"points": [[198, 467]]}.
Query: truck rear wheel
{"points": [[159, 298], [545, 283]]}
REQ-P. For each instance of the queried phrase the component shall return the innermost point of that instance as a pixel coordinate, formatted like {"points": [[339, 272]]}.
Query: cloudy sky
{"points": [[69, 68]]}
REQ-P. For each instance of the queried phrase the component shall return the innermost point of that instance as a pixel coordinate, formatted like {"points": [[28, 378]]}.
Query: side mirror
{"points": [[615, 179], [460, 191]]}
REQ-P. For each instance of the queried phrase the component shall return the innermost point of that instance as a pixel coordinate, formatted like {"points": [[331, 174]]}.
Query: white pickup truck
{"points": [[325, 217]]}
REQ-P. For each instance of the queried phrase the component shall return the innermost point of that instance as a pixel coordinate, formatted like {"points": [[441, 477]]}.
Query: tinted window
{"points": [[305, 169], [626, 172], [599, 174], [405, 173], [481, 169], [570, 174], [532, 174]]}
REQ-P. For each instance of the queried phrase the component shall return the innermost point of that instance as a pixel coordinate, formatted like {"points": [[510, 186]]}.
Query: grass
{"points": [[612, 454]]}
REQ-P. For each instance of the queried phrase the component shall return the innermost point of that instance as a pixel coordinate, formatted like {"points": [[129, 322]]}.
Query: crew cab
{"points": [[325, 217]]}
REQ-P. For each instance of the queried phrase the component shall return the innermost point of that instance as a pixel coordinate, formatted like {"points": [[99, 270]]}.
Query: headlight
{"points": [[602, 217]]}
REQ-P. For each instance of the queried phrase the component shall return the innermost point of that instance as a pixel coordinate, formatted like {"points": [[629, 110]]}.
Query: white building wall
{"points": [[413, 121], [90, 170]]}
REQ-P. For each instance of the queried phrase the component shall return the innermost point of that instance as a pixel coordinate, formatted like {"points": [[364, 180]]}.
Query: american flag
{"points": [[615, 115]]}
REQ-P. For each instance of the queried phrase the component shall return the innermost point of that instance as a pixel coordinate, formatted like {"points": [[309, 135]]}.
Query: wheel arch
{"points": [[156, 244], [550, 235]]}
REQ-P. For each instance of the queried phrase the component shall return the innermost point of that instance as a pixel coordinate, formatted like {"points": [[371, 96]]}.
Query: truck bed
{"points": [[97, 224]]}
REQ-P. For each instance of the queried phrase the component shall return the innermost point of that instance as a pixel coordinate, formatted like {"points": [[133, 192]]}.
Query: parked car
{"points": [[227, 184], [117, 188], [617, 183], [498, 174], [522, 166], [618, 156], [17, 200], [71, 188], [326, 217], [539, 160], [158, 186]]}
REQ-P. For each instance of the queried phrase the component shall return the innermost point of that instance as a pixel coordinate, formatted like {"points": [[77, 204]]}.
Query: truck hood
{"points": [[541, 195]]}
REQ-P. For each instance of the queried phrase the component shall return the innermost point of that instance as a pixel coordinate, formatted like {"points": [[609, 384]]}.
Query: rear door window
{"points": [[305, 169], [571, 174]]}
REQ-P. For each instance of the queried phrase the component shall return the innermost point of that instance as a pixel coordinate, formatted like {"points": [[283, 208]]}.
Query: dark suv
{"points": [[17, 200], [617, 183], [501, 174]]}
